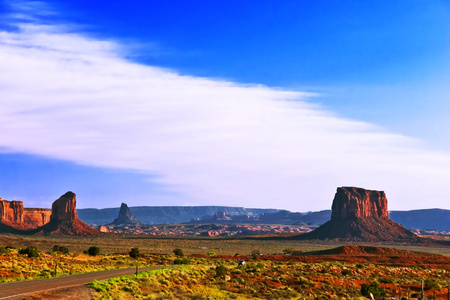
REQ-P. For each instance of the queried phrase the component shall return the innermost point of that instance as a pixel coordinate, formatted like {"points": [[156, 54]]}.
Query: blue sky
{"points": [[246, 103]]}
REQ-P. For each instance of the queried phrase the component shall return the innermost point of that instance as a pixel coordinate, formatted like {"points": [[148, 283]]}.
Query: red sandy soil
{"points": [[362, 254]]}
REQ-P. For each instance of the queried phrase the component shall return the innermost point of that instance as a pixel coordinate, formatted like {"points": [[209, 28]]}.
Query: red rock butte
{"points": [[13, 214], [352, 202], [62, 218], [361, 215]]}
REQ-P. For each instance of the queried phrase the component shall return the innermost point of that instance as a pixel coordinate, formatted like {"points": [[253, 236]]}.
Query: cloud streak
{"points": [[68, 96]]}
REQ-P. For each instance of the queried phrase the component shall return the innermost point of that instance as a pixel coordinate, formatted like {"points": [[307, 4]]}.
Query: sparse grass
{"points": [[265, 279], [261, 276], [16, 266]]}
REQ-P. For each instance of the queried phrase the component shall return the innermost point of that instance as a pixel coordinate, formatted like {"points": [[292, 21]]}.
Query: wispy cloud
{"points": [[68, 96]]}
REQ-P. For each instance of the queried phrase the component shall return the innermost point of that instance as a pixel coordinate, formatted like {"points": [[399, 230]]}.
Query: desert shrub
{"points": [[3, 250], [93, 251], [10, 247], [178, 252], [429, 284], [346, 272], [359, 265], [181, 261], [221, 270], [211, 253], [373, 288], [255, 254], [30, 251], [386, 280], [134, 253], [61, 249]]}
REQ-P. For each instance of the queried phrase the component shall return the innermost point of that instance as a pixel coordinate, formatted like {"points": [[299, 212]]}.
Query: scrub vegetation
{"points": [[207, 278], [223, 268]]}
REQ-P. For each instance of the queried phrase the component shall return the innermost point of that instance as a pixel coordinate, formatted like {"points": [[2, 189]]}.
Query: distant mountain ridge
{"points": [[166, 214], [422, 219], [426, 219]]}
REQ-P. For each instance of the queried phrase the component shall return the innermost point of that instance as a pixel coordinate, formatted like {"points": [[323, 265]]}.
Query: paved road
{"points": [[17, 288]]}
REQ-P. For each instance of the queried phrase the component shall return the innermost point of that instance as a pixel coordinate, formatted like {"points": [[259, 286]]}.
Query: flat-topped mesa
{"points": [[359, 203], [62, 218], [13, 214], [360, 215], [64, 208]]}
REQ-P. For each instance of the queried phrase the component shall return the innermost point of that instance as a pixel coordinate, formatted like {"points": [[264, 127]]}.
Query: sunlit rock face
{"points": [[61, 219], [64, 219], [361, 215], [65, 207], [353, 202], [13, 214]]}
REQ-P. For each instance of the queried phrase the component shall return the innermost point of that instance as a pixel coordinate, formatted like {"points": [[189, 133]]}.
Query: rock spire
{"points": [[125, 217]]}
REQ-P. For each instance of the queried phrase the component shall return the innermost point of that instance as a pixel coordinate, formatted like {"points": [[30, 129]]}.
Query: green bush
{"points": [[3, 250], [386, 280], [134, 253], [61, 249], [346, 272], [430, 284], [221, 270], [181, 261], [30, 251], [93, 251], [178, 252], [373, 288]]}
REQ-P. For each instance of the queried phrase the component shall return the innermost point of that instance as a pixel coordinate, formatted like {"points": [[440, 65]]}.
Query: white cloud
{"points": [[67, 96]]}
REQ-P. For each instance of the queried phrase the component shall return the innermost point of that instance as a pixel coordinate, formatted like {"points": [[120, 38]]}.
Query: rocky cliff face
{"points": [[352, 202], [64, 219], [361, 215], [36, 217], [125, 217], [65, 208], [13, 214]]}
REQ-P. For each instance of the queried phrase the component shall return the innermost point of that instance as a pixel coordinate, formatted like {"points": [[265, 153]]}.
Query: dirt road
{"points": [[10, 290]]}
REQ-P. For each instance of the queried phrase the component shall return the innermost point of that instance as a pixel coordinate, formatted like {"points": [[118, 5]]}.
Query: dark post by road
{"points": [[136, 269], [422, 290]]}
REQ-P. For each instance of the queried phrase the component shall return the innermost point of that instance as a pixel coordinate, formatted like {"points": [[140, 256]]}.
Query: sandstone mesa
{"points": [[62, 218]]}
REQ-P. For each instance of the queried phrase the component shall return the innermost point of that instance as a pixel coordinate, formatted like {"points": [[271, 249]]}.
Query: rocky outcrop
{"points": [[361, 215], [36, 217], [221, 216], [125, 217], [13, 214], [352, 202], [64, 219], [64, 209]]}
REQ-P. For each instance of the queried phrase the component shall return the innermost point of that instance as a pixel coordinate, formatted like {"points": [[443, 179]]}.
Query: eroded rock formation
{"points": [[125, 217], [352, 202], [62, 218], [36, 217], [13, 214], [361, 215]]}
